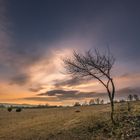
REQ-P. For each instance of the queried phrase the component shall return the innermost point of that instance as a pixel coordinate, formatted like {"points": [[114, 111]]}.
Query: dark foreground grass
{"points": [[91, 123]]}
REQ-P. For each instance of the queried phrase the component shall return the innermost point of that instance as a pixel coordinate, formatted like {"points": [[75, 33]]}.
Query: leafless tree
{"points": [[93, 65], [97, 101], [130, 97], [136, 97], [92, 102], [102, 101], [77, 104]]}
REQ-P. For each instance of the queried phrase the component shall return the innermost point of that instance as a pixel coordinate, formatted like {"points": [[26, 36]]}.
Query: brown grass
{"points": [[92, 122]]}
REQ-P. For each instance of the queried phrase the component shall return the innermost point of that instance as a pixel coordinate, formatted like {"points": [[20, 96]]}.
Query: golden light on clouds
{"points": [[43, 76]]}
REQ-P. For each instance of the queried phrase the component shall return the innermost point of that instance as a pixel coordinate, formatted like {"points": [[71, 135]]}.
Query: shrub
{"points": [[9, 109], [77, 104], [18, 109], [77, 111]]}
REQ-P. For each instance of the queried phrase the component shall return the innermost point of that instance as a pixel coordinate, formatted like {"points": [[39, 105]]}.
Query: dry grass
{"points": [[92, 122]]}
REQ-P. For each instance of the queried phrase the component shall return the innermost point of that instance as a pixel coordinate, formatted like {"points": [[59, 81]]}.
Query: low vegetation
{"points": [[9, 109], [19, 109], [72, 123]]}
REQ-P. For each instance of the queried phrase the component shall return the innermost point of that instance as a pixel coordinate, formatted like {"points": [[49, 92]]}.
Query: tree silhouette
{"points": [[92, 102], [102, 101], [9, 108], [97, 100], [77, 104], [96, 66], [130, 97], [136, 97]]}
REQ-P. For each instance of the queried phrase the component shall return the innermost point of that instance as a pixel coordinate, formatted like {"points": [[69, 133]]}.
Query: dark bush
{"points": [[9, 109], [18, 109], [77, 111], [77, 104]]}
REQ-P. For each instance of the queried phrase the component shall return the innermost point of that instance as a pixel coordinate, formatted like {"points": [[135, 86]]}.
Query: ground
{"points": [[71, 123]]}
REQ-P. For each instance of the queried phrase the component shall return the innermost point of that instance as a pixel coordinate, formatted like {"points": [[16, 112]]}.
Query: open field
{"points": [[91, 123]]}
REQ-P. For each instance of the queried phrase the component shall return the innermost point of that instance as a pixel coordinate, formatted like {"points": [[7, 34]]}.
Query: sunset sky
{"points": [[36, 34]]}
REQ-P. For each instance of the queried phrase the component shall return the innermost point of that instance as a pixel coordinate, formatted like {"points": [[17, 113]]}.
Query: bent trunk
{"points": [[111, 97], [112, 107], [112, 101], [112, 111]]}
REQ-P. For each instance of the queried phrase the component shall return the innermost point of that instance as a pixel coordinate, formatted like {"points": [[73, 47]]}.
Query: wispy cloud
{"points": [[69, 82], [73, 95], [36, 88], [21, 79], [69, 94]]}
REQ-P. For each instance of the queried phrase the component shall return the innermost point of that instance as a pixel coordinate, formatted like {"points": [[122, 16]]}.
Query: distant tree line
{"points": [[98, 101], [134, 97], [130, 97], [93, 101]]}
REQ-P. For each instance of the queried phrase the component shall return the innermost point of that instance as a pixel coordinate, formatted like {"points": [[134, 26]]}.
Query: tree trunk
{"points": [[112, 101], [112, 111], [111, 97]]}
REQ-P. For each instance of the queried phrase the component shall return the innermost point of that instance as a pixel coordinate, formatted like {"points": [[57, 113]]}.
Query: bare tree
{"points": [[130, 97], [92, 102], [102, 101], [97, 100], [77, 104], [136, 97], [93, 65]]}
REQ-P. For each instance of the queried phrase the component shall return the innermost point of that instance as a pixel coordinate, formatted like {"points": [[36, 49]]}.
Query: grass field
{"points": [[91, 123]]}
